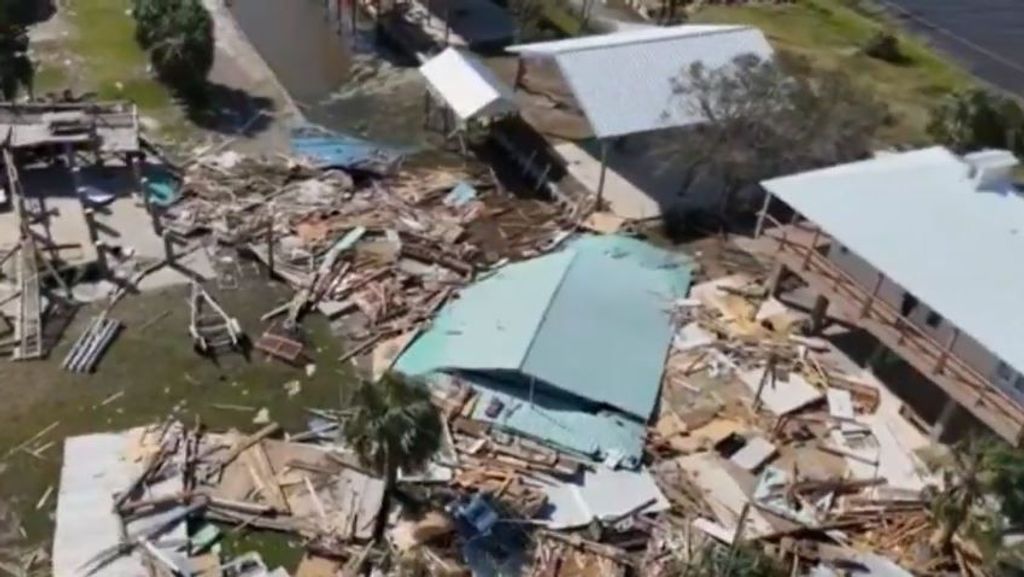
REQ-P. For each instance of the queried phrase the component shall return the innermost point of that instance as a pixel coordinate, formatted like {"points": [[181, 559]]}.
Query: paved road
{"points": [[986, 36]]}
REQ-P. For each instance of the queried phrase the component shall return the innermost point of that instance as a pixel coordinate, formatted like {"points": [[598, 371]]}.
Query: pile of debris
{"points": [[771, 437], [379, 252]]}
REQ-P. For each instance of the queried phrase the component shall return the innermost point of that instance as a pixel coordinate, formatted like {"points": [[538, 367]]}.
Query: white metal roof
{"points": [[623, 80], [467, 85], [921, 218]]}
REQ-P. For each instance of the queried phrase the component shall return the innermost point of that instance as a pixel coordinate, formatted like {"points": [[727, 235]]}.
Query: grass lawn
{"points": [[831, 33], [103, 45]]}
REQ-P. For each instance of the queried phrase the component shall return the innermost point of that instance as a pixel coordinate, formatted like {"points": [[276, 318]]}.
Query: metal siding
{"points": [[918, 218]]}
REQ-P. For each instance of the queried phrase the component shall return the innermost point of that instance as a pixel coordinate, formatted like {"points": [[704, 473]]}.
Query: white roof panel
{"points": [[623, 80], [920, 218], [467, 85]]}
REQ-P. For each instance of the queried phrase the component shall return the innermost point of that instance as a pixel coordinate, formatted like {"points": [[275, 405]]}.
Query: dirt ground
{"points": [[149, 370]]}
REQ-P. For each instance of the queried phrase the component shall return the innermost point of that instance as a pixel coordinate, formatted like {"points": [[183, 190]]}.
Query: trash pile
{"points": [[777, 439], [768, 448], [377, 253], [770, 452]]}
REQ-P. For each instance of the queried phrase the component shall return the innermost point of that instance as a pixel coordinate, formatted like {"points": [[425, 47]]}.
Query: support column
{"points": [[949, 411], [818, 314], [775, 278], [761, 215], [604, 167], [876, 356], [947, 351]]}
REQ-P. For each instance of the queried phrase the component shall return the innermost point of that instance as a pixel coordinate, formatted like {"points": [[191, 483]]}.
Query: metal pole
{"points": [[604, 167]]}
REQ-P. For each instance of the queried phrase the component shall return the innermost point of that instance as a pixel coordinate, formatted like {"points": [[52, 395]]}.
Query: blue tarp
{"points": [[332, 150], [162, 186]]}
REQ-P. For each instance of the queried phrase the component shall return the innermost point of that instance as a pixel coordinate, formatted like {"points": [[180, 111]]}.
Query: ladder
{"points": [[28, 329]]}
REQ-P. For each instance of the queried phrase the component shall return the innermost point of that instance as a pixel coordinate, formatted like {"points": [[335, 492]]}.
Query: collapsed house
{"points": [[567, 348]]}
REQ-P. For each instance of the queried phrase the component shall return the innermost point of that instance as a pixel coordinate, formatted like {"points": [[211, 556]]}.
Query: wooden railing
{"points": [[871, 308]]}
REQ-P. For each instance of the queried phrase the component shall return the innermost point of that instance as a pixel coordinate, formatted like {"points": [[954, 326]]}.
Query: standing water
{"points": [[337, 76]]}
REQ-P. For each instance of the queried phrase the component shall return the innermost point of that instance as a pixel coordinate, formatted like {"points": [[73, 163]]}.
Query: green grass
{"points": [[831, 34], [104, 42], [49, 78], [156, 369]]}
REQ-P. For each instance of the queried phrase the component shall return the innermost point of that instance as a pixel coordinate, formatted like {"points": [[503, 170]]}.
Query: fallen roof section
{"points": [[623, 80], [468, 87], [591, 320], [921, 219], [96, 467]]}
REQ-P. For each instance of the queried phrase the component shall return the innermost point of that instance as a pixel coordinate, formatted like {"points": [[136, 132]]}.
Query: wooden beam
{"points": [[761, 215], [874, 294]]}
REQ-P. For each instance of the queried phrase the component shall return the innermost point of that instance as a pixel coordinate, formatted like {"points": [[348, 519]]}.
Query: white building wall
{"points": [[931, 323]]}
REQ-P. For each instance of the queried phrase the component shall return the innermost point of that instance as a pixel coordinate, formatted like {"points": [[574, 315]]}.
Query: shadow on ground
{"points": [[230, 110]]}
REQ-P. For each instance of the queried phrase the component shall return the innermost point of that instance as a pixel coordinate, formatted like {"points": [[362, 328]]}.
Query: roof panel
{"points": [[469, 87], [491, 324], [607, 331], [592, 320], [920, 219], [639, 96]]}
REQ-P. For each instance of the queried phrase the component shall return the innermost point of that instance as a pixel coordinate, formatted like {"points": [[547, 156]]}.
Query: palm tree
{"points": [[394, 426]]}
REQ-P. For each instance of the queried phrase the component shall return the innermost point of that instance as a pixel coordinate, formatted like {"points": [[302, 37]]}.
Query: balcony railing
{"points": [[799, 246]]}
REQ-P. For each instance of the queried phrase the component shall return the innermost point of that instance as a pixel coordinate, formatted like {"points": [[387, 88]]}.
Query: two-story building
{"points": [[924, 250]]}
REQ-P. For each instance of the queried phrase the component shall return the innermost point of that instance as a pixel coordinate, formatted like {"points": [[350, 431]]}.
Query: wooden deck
{"points": [[797, 247]]}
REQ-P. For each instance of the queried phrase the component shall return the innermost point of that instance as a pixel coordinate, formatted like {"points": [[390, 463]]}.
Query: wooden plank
{"points": [[755, 453], [257, 459]]}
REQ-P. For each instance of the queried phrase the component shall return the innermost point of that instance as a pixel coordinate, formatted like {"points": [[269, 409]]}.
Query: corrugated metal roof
{"points": [[97, 467], [591, 320], [623, 80], [470, 88], [920, 218]]}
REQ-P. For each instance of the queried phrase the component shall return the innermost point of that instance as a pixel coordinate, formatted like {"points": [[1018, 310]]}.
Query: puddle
{"points": [[339, 78]]}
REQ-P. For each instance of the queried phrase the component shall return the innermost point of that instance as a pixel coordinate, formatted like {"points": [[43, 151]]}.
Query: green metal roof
{"points": [[591, 320]]}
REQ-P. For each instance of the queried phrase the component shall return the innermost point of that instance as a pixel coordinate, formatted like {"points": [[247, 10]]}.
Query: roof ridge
{"points": [[723, 28], [547, 308]]}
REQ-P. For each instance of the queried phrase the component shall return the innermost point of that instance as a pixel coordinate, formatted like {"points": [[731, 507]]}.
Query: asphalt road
{"points": [[986, 36]]}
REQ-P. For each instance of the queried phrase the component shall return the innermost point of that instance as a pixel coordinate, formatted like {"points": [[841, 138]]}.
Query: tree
{"points": [[763, 119], [179, 36], [16, 71], [982, 494], [975, 119], [394, 426], [150, 16]]}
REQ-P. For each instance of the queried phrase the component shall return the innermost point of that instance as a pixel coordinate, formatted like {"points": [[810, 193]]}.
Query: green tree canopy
{"points": [[180, 39], [16, 71], [976, 119], [765, 118]]}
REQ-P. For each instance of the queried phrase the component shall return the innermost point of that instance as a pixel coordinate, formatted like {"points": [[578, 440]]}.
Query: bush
{"points": [[885, 46], [179, 36], [976, 119]]}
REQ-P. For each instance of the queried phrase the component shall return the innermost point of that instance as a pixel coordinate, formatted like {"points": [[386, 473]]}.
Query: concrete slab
{"points": [[623, 198]]}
